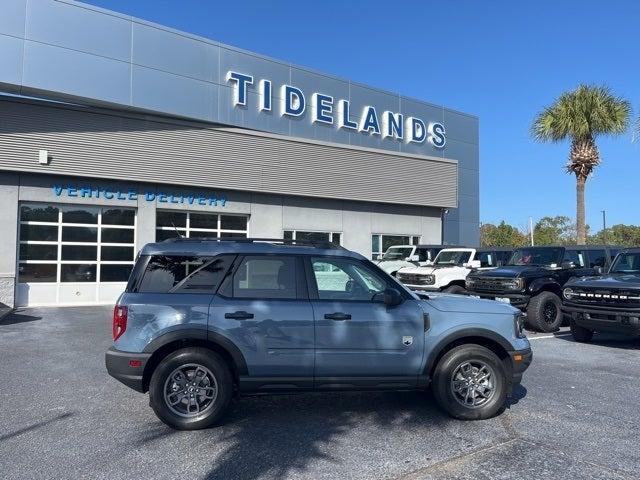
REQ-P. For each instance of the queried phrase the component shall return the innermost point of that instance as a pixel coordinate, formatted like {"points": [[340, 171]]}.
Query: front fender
{"points": [[540, 284]]}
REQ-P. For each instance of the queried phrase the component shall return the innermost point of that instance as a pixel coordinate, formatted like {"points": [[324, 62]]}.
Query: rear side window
{"points": [[574, 256], [597, 258], [265, 277], [184, 274], [487, 259]]}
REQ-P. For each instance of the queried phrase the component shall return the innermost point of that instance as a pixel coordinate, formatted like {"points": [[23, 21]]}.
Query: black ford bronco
{"points": [[534, 277], [609, 302]]}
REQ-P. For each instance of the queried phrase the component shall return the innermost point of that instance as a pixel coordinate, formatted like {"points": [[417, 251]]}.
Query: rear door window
{"points": [[597, 258], [576, 257], [265, 276], [184, 274]]}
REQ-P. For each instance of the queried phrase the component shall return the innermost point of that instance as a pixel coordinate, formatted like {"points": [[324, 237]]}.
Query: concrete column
{"points": [[8, 249], [146, 221], [266, 216]]}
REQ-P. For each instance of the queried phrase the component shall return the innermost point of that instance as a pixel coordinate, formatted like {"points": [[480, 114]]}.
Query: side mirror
{"points": [[392, 297], [598, 270], [472, 264], [413, 258], [567, 265], [428, 263]]}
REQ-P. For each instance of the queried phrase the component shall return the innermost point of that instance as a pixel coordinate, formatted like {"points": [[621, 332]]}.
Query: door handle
{"points": [[241, 315], [337, 316]]}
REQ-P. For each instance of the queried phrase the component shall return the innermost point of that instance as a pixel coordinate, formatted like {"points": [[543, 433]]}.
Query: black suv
{"points": [[608, 302], [533, 279]]}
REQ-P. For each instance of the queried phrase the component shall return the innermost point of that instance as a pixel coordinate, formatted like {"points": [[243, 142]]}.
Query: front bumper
{"points": [[605, 319], [520, 361], [127, 367], [517, 300]]}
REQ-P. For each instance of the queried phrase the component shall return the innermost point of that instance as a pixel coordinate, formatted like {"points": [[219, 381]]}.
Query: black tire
{"points": [[581, 334], [214, 409], [450, 364], [455, 289], [544, 312]]}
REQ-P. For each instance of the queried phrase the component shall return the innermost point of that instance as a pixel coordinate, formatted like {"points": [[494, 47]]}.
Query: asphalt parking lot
{"points": [[576, 416]]}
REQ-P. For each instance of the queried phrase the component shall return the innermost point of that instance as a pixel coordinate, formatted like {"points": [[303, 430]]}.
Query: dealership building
{"points": [[116, 132]]}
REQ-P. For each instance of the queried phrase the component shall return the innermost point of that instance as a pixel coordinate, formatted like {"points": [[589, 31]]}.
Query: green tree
{"points": [[501, 235], [619, 235], [581, 115], [558, 230]]}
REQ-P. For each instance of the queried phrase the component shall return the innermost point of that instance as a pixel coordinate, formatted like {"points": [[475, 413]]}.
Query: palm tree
{"points": [[582, 115]]}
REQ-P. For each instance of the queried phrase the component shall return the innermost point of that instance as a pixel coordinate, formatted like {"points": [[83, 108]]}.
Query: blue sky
{"points": [[500, 60]]}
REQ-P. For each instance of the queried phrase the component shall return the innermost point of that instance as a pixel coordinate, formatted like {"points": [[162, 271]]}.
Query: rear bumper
{"points": [[602, 319], [520, 361], [127, 367]]}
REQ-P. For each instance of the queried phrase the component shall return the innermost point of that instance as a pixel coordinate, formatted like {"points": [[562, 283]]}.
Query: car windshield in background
{"points": [[626, 263], [452, 258], [397, 253], [541, 257]]}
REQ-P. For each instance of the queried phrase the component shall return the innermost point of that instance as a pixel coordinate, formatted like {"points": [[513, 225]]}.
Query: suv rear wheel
{"points": [[191, 389], [544, 312], [581, 334], [470, 382]]}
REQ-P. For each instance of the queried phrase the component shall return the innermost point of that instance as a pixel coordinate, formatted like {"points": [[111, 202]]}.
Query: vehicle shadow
{"points": [[609, 340], [519, 392], [278, 436], [16, 317]]}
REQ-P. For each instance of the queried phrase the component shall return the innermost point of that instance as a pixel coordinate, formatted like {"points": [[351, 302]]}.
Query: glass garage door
{"points": [[74, 254]]}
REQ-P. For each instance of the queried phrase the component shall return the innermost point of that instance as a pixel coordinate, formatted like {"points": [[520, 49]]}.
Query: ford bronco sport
{"points": [[202, 320], [533, 279], [606, 303]]}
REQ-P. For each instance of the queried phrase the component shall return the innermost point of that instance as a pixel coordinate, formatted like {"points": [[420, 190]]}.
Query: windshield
{"points": [[541, 257], [626, 263], [397, 253], [452, 257]]}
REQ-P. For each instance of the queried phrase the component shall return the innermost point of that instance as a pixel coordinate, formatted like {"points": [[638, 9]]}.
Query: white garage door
{"points": [[74, 254]]}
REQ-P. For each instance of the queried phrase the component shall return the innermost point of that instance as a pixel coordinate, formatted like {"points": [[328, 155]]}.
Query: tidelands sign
{"points": [[328, 110]]}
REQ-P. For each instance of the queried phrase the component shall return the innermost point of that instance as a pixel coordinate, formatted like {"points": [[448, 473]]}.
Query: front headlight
{"points": [[469, 283], [429, 279], [518, 319], [568, 293], [513, 284]]}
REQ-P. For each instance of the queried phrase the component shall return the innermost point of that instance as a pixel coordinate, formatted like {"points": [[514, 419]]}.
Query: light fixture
{"points": [[43, 157]]}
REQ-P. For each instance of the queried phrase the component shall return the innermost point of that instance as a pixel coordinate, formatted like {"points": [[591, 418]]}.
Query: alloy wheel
{"points": [[190, 390], [472, 383]]}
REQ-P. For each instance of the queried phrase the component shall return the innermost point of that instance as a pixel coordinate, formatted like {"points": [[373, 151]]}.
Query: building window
{"points": [[75, 243], [332, 237], [380, 243], [172, 223]]}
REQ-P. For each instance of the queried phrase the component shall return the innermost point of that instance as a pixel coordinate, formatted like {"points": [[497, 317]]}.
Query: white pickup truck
{"points": [[402, 256], [450, 269]]}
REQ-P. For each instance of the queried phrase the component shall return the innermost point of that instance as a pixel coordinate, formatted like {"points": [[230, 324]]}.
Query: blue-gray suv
{"points": [[204, 320]]}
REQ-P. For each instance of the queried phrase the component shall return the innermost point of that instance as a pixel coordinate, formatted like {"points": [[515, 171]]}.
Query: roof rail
{"points": [[283, 241]]}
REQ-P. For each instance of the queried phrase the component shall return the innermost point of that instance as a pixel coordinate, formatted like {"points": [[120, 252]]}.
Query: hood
{"points": [[393, 265], [463, 304], [418, 270], [612, 280], [511, 271]]}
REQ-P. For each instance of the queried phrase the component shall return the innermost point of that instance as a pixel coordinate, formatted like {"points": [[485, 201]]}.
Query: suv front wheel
{"points": [[544, 312], [470, 382], [191, 389]]}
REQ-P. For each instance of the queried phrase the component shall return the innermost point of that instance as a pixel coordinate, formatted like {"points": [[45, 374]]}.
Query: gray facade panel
{"points": [[48, 68], [87, 53], [13, 17], [127, 148], [171, 52], [79, 28], [196, 99], [11, 63]]}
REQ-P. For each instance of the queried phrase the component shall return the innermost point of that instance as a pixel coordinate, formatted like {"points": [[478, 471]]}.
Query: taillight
{"points": [[119, 321]]}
